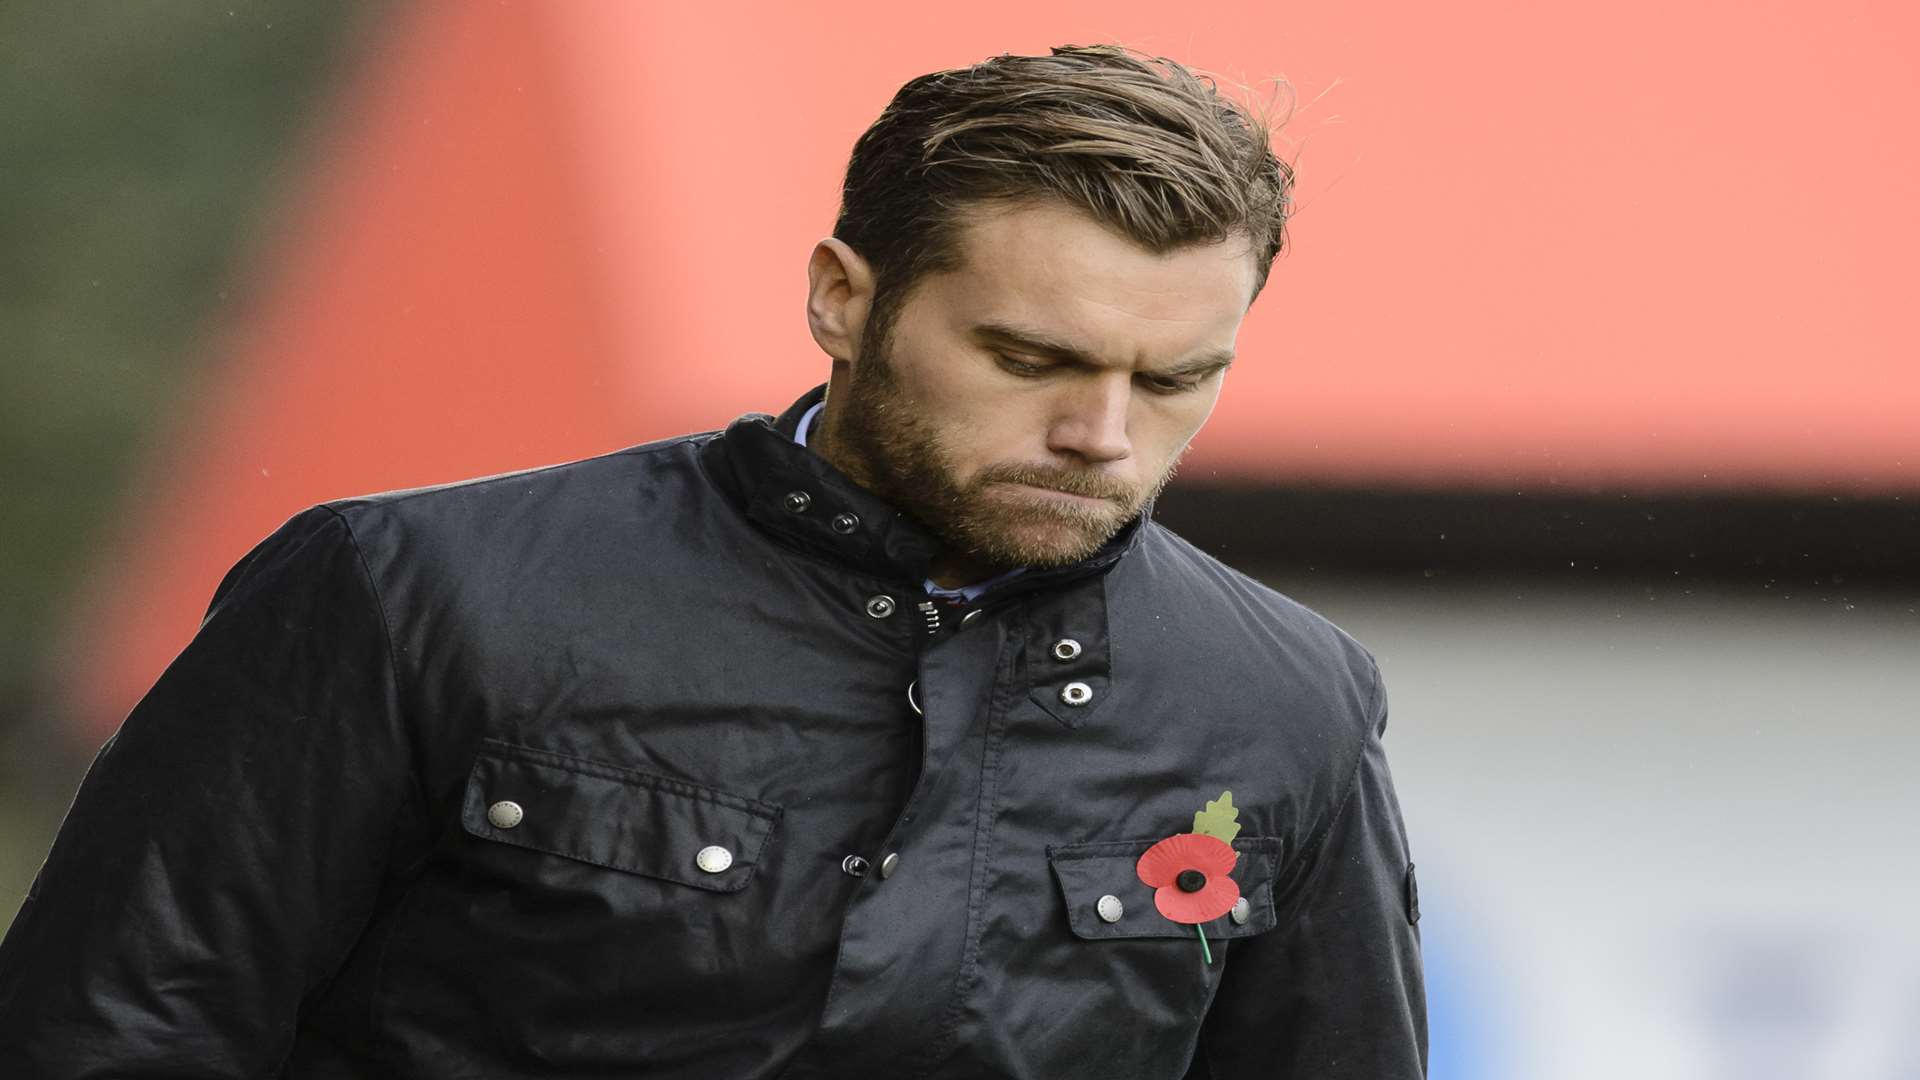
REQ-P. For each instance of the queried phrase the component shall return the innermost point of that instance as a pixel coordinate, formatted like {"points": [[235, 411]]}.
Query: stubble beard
{"points": [[908, 464]]}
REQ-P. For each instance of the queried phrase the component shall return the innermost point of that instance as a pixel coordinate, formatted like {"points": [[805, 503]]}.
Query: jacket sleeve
{"points": [[229, 841], [1334, 991]]}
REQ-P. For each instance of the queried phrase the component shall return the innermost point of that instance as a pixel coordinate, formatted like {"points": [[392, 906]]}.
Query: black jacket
{"points": [[659, 765]]}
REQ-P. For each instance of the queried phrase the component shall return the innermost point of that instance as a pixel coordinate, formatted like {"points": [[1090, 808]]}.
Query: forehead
{"points": [[1051, 265]]}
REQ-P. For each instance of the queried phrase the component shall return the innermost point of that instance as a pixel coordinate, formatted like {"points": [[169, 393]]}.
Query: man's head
{"points": [[1039, 271]]}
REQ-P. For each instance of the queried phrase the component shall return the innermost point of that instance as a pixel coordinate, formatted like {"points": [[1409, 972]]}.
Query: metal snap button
{"points": [[1076, 693], [913, 699], [797, 501], [879, 606], [967, 619], [505, 814], [1110, 908], [1242, 911], [854, 865], [1066, 649], [887, 864], [845, 523], [713, 858]]}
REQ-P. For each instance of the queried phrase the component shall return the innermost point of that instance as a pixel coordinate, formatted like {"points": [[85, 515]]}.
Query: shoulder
{"points": [[604, 474], [482, 537], [1192, 579], [579, 497], [1188, 606]]}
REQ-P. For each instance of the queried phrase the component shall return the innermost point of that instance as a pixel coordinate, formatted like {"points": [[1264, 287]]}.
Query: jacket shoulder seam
{"points": [[1310, 851], [401, 495], [386, 627]]}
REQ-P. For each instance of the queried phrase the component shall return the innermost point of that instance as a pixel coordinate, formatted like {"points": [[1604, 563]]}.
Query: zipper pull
{"points": [[931, 612]]}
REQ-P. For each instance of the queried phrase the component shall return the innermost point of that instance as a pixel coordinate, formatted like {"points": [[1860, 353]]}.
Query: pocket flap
{"points": [[615, 817], [1089, 872]]}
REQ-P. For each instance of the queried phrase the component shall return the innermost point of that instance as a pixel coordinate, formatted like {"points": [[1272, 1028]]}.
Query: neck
{"points": [[825, 438]]}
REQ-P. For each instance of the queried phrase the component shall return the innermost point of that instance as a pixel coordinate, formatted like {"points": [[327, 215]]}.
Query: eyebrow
{"points": [[1027, 339]]}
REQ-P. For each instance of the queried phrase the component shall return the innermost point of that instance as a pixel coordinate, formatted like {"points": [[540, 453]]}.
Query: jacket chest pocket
{"points": [[1120, 989], [1106, 900], [581, 900], [616, 818]]}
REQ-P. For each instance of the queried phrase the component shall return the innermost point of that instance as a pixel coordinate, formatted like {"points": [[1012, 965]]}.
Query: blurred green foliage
{"points": [[143, 151]]}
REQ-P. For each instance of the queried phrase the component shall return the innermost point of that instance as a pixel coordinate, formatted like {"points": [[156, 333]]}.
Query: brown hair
{"points": [[1142, 144]]}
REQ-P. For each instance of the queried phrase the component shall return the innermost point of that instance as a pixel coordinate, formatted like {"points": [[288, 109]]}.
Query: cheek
{"points": [[980, 417], [937, 376]]}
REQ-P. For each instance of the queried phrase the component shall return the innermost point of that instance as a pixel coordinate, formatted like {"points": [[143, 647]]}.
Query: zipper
{"points": [[930, 611]]}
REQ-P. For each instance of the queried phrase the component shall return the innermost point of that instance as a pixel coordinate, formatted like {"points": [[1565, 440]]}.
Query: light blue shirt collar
{"points": [[806, 423], [965, 593]]}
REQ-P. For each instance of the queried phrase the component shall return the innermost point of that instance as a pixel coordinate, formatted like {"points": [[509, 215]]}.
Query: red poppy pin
{"points": [[1189, 872]]}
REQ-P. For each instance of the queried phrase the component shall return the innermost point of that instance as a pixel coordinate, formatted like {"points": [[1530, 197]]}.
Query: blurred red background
{"points": [[1632, 248]]}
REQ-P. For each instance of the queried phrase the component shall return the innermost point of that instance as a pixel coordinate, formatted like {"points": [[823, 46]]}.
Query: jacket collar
{"points": [[792, 492]]}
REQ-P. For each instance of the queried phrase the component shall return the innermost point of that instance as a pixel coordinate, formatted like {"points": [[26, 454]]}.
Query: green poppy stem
{"points": [[1206, 954]]}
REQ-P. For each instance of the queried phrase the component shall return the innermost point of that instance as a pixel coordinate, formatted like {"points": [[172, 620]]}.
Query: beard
{"points": [[907, 461]]}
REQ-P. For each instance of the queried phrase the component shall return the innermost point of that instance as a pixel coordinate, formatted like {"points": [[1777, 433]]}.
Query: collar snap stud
{"points": [[845, 523], [879, 605], [854, 866], [797, 501]]}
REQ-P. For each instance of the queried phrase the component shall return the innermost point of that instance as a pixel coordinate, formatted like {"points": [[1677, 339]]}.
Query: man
{"points": [[829, 745]]}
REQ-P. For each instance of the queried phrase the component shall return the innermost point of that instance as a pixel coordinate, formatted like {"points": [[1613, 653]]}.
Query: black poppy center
{"points": [[1191, 881]]}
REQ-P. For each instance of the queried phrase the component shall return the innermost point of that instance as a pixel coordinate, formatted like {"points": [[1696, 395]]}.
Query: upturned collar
{"points": [[793, 493]]}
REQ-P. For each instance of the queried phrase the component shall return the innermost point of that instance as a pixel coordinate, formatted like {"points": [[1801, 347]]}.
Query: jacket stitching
{"points": [[393, 652], [1309, 852], [374, 997], [745, 879], [413, 777], [500, 748], [998, 711]]}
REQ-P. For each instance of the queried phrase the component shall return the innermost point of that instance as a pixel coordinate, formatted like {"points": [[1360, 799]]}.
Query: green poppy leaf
{"points": [[1219, 819]]}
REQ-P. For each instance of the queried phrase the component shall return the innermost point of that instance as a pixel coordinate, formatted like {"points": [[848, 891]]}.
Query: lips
{"points": [[1074, 495]]}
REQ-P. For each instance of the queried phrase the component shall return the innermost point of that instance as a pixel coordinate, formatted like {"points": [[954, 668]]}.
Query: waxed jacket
{"points": [[661, 764]]}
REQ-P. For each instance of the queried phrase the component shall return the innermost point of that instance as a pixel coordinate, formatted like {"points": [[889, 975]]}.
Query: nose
{"points": [[1090, 420]]}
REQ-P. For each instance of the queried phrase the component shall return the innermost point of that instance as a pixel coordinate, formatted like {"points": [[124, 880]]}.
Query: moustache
{"points": [[1090, 485]]}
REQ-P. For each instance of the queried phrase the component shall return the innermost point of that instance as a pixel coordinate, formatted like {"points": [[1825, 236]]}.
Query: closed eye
{"points": [[1174, 384], [1020, 367]]}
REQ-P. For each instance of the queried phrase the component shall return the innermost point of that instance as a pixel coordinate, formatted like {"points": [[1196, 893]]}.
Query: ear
{"points": [[839, 296]]}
